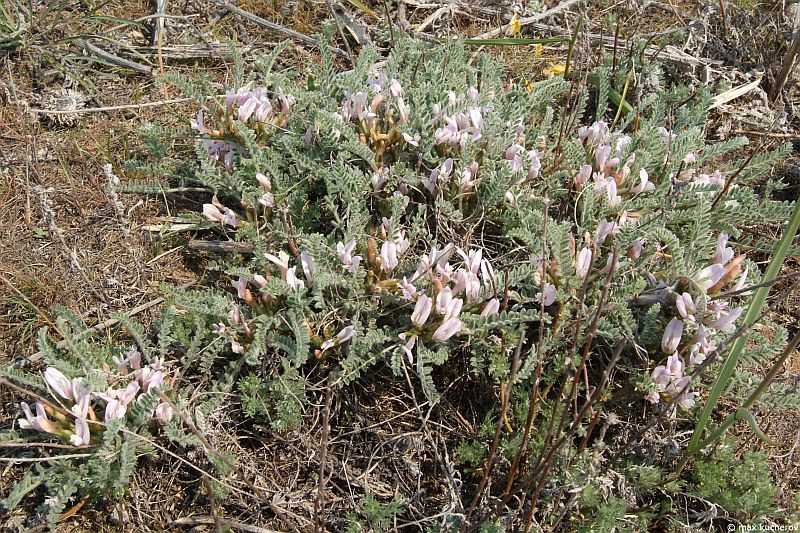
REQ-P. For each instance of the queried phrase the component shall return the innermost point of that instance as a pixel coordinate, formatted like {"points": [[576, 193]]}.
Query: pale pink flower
{"points": [[212, 212], [163, 413], [82, 435], [292, 280], [59, 383], [723, 253], [343, 336], [412, 140], [583, 263], [408, 347], [307, 262], [536, 165], [449, 327], [199, 124], [604, 229], [460, 279], [491, 308], [409, 290], [281, 261], [472, 288], [685, 305], [40, 422], [672, 336], [584, 175], [344, 252], [635, 249], [549, 294], [388, 256], [726, 320], [264, 181], [151, 379], [443, 299], [403, 111], [453, 308], [396, 88], [709, 276], [114, 409], [645, 185], [241, 287], [472, 260], [422, 310]]}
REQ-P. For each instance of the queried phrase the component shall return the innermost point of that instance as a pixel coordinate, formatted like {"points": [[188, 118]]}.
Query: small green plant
{"points": [[377, 516], [102, 410], [741, 485]]}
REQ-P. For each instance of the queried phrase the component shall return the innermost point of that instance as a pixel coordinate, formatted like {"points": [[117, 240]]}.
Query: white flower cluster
{"points": [[697, 325], [76, 398]]}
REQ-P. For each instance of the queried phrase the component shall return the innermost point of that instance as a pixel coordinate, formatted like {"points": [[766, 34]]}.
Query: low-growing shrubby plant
{"points": [[435, 218]]}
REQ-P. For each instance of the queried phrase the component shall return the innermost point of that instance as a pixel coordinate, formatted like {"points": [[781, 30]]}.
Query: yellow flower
{"points": [[514, 27], [555, 70]]}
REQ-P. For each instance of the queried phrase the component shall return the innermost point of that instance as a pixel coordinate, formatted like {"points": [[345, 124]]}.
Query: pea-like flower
{"points": [[307, 262], [40, 422], [491, 308], [388, 256], [344, 251], [635, 249], [59, 383], [281, 261], [672, 336], [726, 320], [604, 229], [449, 327], [118, 400], [409, 342], [227, 217], [409, 290], [343, 336], [644, 185], [709, 276], [163, 413], [292, 280], [422, 310], [686, 307], [583, 263]]}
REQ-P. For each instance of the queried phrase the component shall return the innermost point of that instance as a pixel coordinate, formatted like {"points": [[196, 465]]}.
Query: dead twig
{"points": [[111, 58], [530, 20], [225, 247], [98, 327], [192, 521], [319, 502], [305, 39], [788, 61], [111, 108]]}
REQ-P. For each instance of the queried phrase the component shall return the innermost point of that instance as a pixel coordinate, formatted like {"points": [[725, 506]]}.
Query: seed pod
{"points": [[732, 270]]}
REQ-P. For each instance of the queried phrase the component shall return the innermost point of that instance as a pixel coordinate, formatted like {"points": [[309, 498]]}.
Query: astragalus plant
{"points": [[429, 215]]}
